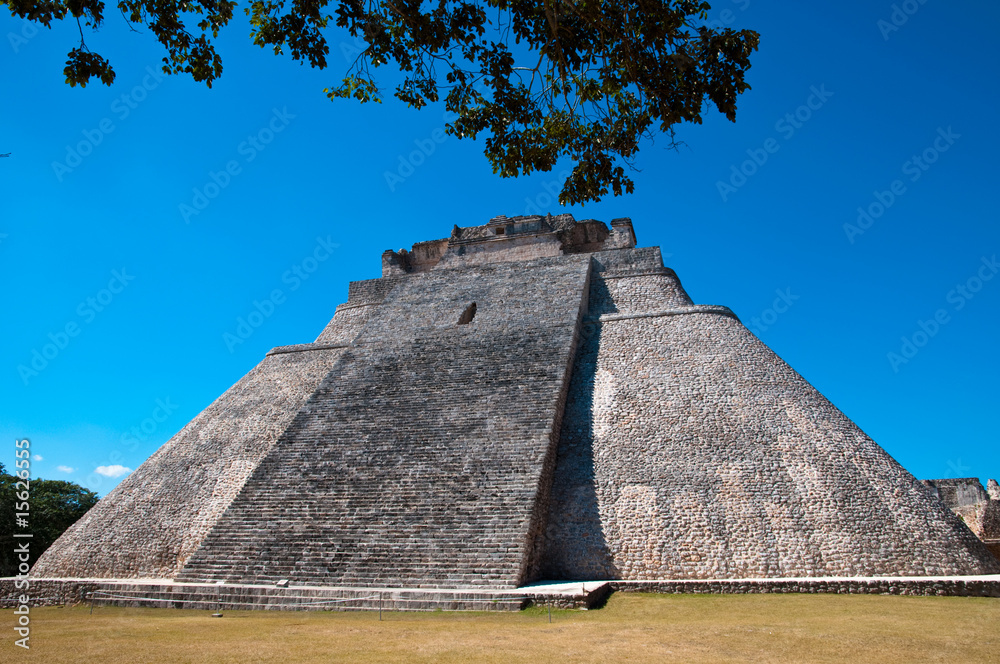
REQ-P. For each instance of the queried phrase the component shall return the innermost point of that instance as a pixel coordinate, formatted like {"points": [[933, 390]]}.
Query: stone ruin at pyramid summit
{"points": [[534, 399]]}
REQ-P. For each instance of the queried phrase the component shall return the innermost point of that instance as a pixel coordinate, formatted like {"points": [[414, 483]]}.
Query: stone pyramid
{"points": [[535, 398]]}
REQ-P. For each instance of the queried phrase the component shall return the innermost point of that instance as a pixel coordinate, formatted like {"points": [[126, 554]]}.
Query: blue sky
{"points": [[839, 108]]}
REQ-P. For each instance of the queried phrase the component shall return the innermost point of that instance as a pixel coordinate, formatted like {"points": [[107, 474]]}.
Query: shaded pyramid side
{"points": [[156, 517], [690, 450], [425, 458]]}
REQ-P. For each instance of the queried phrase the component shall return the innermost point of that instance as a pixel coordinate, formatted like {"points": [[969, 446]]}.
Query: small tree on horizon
{"points": [[54, 506]]}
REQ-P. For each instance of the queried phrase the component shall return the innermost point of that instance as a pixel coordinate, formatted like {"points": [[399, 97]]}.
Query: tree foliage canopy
{"points": [[543, 79], [54, 506]]}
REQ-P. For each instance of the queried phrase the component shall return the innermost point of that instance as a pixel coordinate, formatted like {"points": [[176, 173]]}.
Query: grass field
{"points": [[630, 628]]}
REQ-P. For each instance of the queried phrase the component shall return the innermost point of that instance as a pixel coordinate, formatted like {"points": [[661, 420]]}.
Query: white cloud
{"points": [[38, 457], [112, 471], [65, 469]]}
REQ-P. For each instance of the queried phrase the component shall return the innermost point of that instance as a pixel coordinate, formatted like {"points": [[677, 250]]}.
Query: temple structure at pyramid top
{"points": [[511, 239], [532, 398]]}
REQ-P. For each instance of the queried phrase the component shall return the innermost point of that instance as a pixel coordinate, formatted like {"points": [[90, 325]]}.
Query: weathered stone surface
{"points": [[535, 397], [424, 456], [245, 597], [689, 450], [970, 586]]}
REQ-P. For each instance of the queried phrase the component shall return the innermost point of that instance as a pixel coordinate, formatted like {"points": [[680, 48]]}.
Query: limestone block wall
{"points": [[524, 248], [153, 521], [346, 324], [661, 286], [689, 450], [352, 316], [960, 492], [622, 234], [978, 508], [426, 457], [634, 281], [991, 524]]}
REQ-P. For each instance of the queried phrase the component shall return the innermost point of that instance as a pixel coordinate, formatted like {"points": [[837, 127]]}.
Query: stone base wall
{"points": [[228, 597], [213, 597], [954, 587], [47, 592]]}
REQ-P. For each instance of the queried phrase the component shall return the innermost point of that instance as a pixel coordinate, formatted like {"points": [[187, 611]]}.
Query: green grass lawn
{"points": [[630, 628]]}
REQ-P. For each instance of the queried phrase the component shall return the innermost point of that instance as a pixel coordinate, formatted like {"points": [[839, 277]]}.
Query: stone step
{"points": [[227, 597], [421, 458]]}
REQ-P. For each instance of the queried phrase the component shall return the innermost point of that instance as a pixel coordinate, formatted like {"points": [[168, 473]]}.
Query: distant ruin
{"points": [[978, 508], [533, 398]]}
